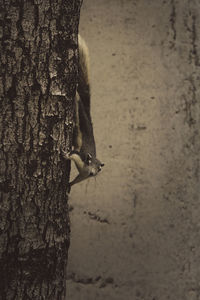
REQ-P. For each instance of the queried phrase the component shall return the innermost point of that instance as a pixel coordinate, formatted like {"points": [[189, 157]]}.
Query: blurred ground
{"points": [[135, 229]]}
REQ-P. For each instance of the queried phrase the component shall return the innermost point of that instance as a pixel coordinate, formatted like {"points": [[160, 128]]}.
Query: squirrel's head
{"points": [[94, 165], [87, 164]]}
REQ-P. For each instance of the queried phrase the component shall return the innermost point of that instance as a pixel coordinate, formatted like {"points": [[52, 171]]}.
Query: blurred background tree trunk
{"points": [[38, 66]]}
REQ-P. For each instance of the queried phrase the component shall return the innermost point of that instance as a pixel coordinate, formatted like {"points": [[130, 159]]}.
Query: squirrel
{"points": [[83, 142]]}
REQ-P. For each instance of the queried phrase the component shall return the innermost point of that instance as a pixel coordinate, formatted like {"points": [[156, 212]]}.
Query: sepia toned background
{"points": [[135, 229]]}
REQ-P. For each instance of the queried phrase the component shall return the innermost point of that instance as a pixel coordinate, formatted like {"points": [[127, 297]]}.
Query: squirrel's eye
{"points": [[88, 162]]}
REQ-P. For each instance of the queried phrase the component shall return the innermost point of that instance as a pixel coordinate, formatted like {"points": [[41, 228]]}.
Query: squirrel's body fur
{"points": [[84, 148]]}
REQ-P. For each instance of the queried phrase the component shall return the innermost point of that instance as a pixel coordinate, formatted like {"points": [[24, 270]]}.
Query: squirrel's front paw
{"points": [[65, 154]]}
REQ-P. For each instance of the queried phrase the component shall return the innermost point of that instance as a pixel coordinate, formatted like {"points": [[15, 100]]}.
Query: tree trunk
{"points": [[37, 87]]}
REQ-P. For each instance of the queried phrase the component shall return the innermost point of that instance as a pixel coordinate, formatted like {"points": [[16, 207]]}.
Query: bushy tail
{"points": [[84, 80]]}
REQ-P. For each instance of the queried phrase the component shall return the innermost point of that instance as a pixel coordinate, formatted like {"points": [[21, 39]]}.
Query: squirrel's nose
{"points": [[92, 172]]}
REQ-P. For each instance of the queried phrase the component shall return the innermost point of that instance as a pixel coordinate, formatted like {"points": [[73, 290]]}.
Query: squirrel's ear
{"points": [[89, 158]]}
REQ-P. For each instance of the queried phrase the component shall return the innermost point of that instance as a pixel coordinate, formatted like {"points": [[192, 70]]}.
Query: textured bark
{"points": [[37, 86]]}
